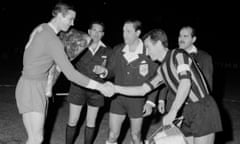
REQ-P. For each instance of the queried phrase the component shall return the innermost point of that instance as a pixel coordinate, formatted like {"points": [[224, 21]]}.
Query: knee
{"points": [[38, 139], [113, 136], [136, 137]]}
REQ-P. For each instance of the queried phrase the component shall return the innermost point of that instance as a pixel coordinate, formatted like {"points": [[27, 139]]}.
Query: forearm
{"points": [[133, 90], [182, 93]]}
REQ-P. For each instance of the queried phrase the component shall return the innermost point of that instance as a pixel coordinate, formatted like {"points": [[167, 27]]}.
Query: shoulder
{"points": [[180, 56], [179, 53], [107, 47], [106, 50], [204, 53], [118, 47]]}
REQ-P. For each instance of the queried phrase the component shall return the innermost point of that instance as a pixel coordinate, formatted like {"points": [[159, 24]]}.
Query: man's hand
{"points": [[98, 69], [169, 118], [147, 109], [107, 89], [161, 106]]}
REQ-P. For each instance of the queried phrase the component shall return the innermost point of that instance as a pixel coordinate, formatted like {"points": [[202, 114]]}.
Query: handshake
{"points": [[107, 89]]}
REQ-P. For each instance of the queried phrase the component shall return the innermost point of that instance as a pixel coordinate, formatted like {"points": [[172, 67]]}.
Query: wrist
{"points": [[92, 84], [151, 103], [116, 87]]}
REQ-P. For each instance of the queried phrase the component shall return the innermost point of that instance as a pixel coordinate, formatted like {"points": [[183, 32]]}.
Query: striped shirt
{"points": [[176, 66]]}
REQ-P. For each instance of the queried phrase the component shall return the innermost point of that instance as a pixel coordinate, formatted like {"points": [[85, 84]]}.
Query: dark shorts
{"points": [[80, 96], [201, 118], [133, 107]]}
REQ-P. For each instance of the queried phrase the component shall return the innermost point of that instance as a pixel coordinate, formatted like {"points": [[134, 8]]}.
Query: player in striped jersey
{"points": [[183, 77]]}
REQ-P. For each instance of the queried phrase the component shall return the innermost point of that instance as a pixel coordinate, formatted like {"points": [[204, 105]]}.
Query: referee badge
{"points": [[143, 68]]}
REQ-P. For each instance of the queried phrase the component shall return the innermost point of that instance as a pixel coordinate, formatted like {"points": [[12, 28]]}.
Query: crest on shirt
{"points": [[143, 68]]}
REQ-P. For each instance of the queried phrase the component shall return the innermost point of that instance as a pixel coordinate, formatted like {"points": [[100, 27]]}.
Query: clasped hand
{"points": [[107, 89]]}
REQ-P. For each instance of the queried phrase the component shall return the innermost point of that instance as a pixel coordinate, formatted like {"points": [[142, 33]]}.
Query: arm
{"points": [[133, 90], [181, 96], [183, 70], [56, 51], [161, 99], [102, 70], [182, 93], [143, 89], [152, 97], [182, 62]]}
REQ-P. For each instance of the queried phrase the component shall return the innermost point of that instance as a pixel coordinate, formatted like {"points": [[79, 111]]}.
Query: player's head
{"points": [[96, 30], [156, 42], [131, 31], [64, 16], [186, 37]]}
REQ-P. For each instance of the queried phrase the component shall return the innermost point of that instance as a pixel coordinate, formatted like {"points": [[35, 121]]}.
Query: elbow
{"points": [[71, 76]]}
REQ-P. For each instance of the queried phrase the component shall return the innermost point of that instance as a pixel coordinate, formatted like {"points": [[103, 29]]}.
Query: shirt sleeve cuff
{"points": [[160, 101], [147, 87], [151, 103]]}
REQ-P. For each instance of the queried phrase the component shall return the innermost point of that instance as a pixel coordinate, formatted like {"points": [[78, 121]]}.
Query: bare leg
{"points": [[136, 126], [115, 124], [34, 122], [74, 114], [90, 124], [91, 116], [207, 139], [189, 140]]}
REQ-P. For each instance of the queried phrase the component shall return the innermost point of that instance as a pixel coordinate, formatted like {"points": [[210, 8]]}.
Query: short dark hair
{"points": [[61, 8], [97, 22], [136, 24], [156, 35]]}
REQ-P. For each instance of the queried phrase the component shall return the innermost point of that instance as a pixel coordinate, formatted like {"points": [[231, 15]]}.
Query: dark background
{"points": [[216, 23]]}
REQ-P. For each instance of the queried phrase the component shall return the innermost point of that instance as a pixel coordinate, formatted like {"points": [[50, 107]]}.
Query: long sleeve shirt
{"points": [[42, 51]]}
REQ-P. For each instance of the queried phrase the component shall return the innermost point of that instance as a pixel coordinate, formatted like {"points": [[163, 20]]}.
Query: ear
{"points": [[89, 31], [138, 33], [194, 39]]}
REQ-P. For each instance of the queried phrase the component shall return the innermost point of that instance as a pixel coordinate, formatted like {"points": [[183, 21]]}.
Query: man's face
{"points": [[96, 32], [151, 48], [129, 33], [155, 49], [67, 20], [185, 39]]}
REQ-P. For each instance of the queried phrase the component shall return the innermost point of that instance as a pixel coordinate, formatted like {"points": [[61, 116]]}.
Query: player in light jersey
{"points": [[43, 50]]}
